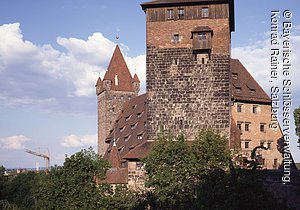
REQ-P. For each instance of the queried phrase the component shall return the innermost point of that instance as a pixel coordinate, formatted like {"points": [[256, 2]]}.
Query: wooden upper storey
{"points": [[166, 10]]}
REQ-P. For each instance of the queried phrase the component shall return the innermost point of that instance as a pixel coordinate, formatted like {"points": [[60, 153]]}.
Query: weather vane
{"points": [[117, 36]]}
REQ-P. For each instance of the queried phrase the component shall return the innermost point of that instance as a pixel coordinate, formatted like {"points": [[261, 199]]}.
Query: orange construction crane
{"points": [[45, 156]]}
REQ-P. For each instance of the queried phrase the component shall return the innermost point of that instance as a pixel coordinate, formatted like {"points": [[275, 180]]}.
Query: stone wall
{"points": [[110, 105], [185, 95], [136, 175]]}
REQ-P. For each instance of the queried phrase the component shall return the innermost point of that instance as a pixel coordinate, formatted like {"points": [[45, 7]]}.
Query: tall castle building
{"points": [[192, 84], [188, 65]]}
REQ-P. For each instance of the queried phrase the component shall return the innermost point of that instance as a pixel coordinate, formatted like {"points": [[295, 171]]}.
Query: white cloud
{"points": [[256, 58], [52, 80], [13, 142], [79, 141]]}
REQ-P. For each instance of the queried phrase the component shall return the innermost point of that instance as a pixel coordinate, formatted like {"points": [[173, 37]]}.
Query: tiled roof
{"points": [[202, 28], [114, 157], [136, 78], [118, 73], [115, 176], [244, 86], [129, 130], [140, 151]]}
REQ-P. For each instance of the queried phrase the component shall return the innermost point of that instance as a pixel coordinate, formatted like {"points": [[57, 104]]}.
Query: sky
{"points": [[52, 52]]}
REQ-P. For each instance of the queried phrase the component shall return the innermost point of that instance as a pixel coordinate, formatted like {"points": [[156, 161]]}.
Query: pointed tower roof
{"points": [[136, 78], [99, 86], [114, 157], [118, 72]]}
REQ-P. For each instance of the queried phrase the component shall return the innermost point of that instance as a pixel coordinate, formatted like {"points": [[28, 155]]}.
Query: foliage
{"points": [[18, 192], [72, 186], [201, 176], [297, 120]]}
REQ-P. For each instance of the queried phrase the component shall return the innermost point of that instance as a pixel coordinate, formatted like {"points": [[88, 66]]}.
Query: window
{"points": [[127, 118], [126, 138], [247, 126], [116, 80], [122, 128], [140, 136], [170, 14], [254, 109], [202, 36], [263, 162], [238, 90], [235, 75], [262, 143], [262, 127], [205, 12], [139, 114], [239, 108], [175, 39], [239, 125], [180, 13], [133, 126], [269, 144], [246, 144]]}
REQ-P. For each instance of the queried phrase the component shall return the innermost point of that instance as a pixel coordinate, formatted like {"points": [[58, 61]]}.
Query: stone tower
{"points": [[188, 65], [113, 91]]}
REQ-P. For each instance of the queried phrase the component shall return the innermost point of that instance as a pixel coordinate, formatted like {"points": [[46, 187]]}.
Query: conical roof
{"points": [[136, 78], [118, 73]]}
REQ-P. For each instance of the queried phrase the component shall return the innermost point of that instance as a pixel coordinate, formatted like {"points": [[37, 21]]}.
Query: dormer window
{"points": [[127, 118], [116, 80], [180, 13], [234, 75]]}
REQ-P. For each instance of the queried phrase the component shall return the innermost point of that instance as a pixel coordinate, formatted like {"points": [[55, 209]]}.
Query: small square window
{"points": [[180, 13], [262, 143], [254, 109], [239, 125], [239, 108], [205, 12], [247, 127], [175, 38], [262, 128], [170, 14]]}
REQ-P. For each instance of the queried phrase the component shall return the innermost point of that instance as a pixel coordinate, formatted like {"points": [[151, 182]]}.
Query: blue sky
{"points": [[51, 53]]}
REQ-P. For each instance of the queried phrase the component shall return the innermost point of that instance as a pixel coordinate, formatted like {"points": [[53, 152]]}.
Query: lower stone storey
{"points": [[186, 94], [110, 105]]}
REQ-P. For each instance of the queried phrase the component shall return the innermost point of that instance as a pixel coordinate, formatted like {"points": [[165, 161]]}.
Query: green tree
{"points": [[73, 186], [19, 190]]}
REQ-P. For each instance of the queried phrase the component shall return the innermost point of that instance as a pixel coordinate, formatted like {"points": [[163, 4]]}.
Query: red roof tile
{"points": [[129, 129], [244, 86], [118, 73], [115, 176], [136, 78], [114, 157]]}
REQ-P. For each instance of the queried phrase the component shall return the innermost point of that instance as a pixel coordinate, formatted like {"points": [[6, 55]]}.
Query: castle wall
{"points": [[110, 105]]}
